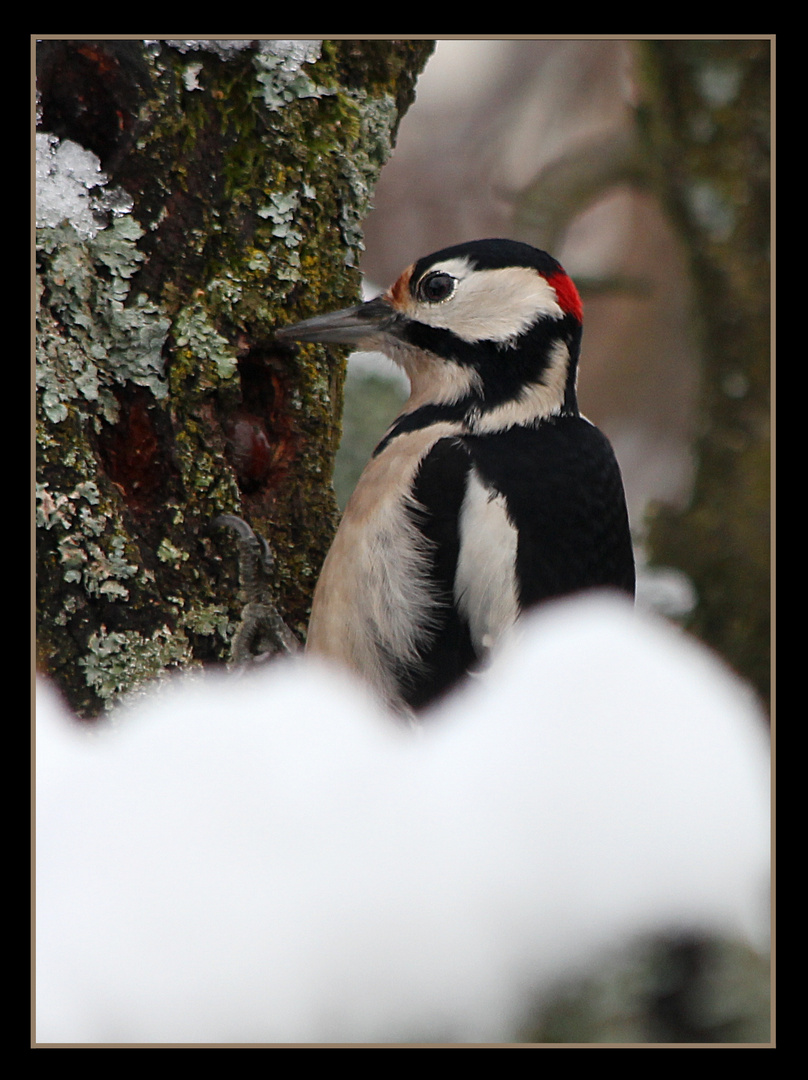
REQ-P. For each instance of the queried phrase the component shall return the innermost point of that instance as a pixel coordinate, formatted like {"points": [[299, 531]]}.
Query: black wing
{"points": [[564, 494]]}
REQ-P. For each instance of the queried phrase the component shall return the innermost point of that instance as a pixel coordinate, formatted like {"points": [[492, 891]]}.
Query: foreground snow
{"points": [[272, 859]]}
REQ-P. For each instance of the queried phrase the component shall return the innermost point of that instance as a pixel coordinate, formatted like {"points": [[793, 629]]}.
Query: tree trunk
{"points": [[192, 196], [707, 124]]}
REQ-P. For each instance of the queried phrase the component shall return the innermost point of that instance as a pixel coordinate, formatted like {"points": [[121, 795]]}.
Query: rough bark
{"points": [[232, 180], [706, 120]]}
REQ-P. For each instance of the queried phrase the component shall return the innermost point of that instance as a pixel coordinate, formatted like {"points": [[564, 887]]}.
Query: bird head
{"points": [[491, 328]]}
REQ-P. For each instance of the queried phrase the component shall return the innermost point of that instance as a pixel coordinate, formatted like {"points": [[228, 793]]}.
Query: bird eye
{"points": [[436, 287]]}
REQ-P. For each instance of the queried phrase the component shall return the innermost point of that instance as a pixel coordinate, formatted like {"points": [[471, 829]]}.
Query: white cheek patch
{"points": [[485, 581], [490, 305]]}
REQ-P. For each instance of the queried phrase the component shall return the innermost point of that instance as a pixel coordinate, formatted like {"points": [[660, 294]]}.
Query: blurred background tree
{"points": [[707, 124]]}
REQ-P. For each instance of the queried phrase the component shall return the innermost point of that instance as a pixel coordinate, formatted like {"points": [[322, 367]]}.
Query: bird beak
{"points": [[366, 324]]}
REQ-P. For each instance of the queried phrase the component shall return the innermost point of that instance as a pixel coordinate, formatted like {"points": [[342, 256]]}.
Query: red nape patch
{"points": [[568, 298]]}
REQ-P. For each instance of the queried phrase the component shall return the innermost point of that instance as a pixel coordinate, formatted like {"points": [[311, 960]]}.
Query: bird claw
{"points": [[255, 547], [262, 633]]}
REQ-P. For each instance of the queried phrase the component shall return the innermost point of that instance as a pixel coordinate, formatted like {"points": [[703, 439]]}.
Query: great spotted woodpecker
{"points": [[489, 493]]}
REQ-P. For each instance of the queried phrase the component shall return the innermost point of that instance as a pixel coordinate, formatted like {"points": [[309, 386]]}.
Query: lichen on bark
{"points": [[232, 181]]}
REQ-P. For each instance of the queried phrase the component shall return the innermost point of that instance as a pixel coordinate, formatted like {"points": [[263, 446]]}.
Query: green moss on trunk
{"points": [[233, 187]]}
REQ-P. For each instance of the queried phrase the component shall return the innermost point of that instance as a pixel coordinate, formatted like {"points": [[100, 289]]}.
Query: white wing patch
{"points": [[485, 582]]}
